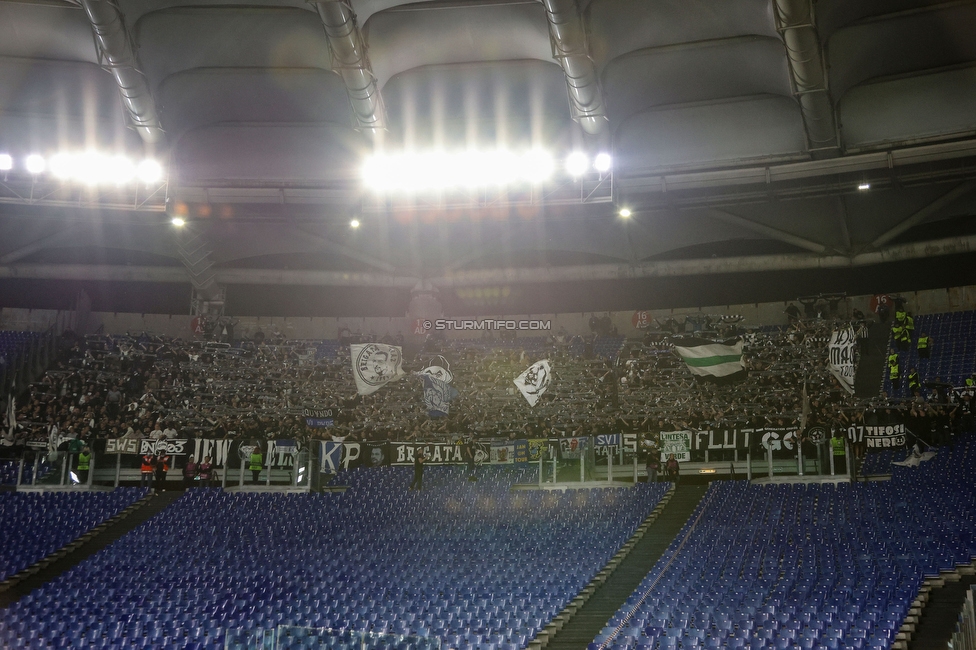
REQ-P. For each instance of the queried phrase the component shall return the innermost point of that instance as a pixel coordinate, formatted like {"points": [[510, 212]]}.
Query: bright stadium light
{"points": [[577, 163], [35, 164], [602, 162], [458, 170], [625, 213], [538, 166], [149, 171], [6, 162], [354, 223], [94, 168], [864, 186], [179, 222]]}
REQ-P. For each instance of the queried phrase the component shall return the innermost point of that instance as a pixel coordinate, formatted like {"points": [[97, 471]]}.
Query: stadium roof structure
{"points": [[743, 136]]}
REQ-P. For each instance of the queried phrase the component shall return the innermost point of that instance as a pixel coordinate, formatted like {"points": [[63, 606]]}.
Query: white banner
{"points": [[534, 382], [374, 365], [840, 361]]}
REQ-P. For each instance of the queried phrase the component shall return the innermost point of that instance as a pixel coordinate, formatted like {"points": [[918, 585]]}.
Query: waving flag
{"points": [[439, 372], [710, 358], [374, 365], [534, 382], [11, 415], [437, 395]]}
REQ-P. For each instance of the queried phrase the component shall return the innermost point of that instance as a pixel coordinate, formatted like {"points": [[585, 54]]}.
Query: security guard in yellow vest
{"points": [[840, 453], [914, 381], [894, 373], [84, 464], [255, 463], [901, 336], [924, 345]]}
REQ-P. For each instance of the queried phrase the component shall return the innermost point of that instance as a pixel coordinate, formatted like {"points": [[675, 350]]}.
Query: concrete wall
{"points": [[921, 302]]}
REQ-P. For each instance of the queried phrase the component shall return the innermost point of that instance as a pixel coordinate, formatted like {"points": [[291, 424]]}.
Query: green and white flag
{"points": [[711, 358]]}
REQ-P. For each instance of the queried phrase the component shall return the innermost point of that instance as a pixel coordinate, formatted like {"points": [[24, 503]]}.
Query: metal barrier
{"points": [[288, 637], [964, 637]]}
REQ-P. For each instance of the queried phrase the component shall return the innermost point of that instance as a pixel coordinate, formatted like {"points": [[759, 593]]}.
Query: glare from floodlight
{"points": [[864, 186], [602, 162], [538, 166], [354, 223], [6, 162], [625, 213], [35, 164], [179, 222], [149, 171], [437, 170], [577, 163]]}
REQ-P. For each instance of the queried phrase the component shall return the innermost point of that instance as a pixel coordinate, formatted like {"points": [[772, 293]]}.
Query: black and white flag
{"points": [[374, 365], [840, 362], [440, 372], [534, 382]]}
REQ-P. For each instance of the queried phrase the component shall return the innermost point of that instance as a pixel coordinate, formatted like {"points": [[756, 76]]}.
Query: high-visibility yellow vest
{"points": [[84, 461], [838, 446], [255, 463], [923, 342]]}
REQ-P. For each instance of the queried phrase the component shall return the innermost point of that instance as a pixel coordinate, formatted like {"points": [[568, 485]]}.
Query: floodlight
{"points": [[537, 166], [149, 171], [577, 163], [602, 162], [864, 186], [624, 212], [35, 163], [354, 223], [179, 222], [6, 162]]}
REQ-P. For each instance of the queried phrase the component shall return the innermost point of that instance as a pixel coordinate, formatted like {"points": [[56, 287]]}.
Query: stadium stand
{"points": [[813, 566], [602, 384], [953, 354], [34, 525], [471, 563]]}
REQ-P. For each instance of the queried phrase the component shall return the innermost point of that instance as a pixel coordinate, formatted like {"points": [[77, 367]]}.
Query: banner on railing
{"points": [[334, 456], [537, 448], [882, 436], [677, 443], [502, 453], [572, 448], [609, 440], [122, 445], [170, 447]]}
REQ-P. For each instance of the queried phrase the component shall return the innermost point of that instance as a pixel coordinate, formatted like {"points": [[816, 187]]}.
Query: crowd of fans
{"points": [[159, 387]]}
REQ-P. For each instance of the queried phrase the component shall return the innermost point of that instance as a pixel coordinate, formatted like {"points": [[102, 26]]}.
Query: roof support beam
{"points": [[795, 21], [676, 268], [350, 60], [920, 216], [768, 231], [581, 273], [178, 275], [115, 46], [17, 254], [569, 49]]}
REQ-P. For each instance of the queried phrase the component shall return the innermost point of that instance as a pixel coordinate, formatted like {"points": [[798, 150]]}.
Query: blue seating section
{"points": [[8, 472], [470, 563], [808, 566], [35, 524], [12, 342], [953, 356]]}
